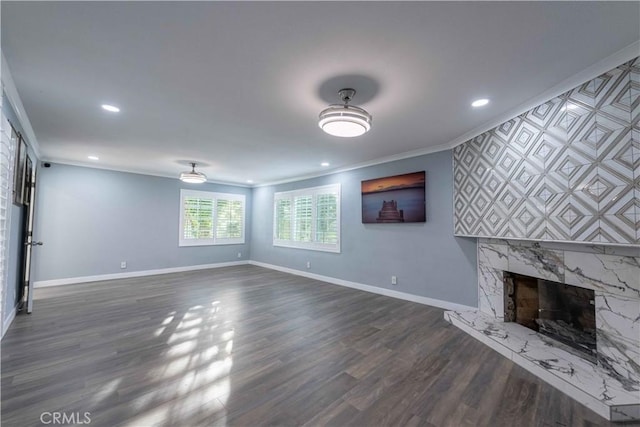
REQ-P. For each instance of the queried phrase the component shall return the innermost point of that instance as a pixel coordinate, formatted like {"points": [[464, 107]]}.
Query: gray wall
{"points": [[91, 219], [426, 258]]}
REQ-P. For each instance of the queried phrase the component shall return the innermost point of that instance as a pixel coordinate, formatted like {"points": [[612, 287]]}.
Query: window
{"points": [[208, 218], [308, 218]]}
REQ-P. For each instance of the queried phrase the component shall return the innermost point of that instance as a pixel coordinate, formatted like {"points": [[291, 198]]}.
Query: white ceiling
{"points": [[238, 86]]}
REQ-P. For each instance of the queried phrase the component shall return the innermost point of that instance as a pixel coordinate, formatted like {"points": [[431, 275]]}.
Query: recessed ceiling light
{"points": [[249, 181], [480, 102], [110, 108], [93, 157], [324, 164]]}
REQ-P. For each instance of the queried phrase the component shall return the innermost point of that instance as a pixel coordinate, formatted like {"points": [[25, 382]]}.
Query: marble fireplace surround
{"points": [[611, 388]]}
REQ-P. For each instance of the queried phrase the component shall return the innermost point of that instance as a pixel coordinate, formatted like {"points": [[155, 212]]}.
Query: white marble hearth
{"points": [[587, 383], [612, 387]]}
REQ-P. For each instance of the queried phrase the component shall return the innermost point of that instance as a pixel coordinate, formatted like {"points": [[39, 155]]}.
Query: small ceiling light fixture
{"points": [[325, 164], [193, 177], [480, 102], [345, 120], [249, 181], [110, 108], [93, 157]]}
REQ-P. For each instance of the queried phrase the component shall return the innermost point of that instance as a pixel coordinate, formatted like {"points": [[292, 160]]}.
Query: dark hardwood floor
{"points": [[248, 346]]}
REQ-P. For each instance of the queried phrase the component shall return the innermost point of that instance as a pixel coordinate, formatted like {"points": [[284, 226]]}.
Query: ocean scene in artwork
{"points": [[394, 199]]}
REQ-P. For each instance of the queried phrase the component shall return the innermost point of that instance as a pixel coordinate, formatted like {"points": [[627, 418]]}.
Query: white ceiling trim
{"points": [[124, 170], [14, 99]]}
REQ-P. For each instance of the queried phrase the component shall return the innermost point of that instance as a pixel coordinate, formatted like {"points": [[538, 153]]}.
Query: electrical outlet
{"points": [[123, 264], [239, 254], [308, 264], [394, 280]]}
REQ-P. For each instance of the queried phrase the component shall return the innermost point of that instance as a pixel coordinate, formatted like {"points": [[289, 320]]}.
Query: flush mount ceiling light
{"points": [[193, 177], [345, 120]]}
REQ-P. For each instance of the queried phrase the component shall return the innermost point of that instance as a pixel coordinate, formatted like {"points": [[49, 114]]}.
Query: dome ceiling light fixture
{"points": [[193, 177], [345, 120]]}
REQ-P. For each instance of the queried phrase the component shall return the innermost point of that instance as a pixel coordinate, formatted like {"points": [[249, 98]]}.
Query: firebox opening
{"points": [[563, 312]]}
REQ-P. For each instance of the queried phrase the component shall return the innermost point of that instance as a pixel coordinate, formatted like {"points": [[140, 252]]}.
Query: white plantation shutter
{"points": [[229, 219], [283, 219], [198, 218], [8, 141], [308, 218], [327, 219], [302, 218], [208, 218]]}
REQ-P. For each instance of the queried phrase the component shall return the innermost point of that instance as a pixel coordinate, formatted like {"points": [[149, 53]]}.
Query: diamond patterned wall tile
{"points": [[637, 210], [586, 138], [619, 201], [585, 229], [583, 96], [493, 148], [525, 137], [613, 96], [582, 178], [568, 169], [507, 130], [508, 200], [620, 147], [547, 114], [497, 221], [550, 149], [559, 228], [615, 229], [527, 178], [528, 218], [609, 136], [507, 163], [493, 185], [619, 172]]}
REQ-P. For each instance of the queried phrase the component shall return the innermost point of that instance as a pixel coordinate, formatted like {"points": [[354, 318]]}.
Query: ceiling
{"points": [[237, 86]]}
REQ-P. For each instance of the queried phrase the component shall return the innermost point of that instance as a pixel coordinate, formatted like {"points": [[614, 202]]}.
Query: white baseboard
{"points": [[360, 286], [130, 274], [8, 320], [368, 288]]}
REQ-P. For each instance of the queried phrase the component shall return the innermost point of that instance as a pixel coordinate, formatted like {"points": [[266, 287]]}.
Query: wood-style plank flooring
{"points": [[247, 346]]}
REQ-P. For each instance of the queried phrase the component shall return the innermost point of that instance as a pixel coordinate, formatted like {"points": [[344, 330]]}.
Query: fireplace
{"points": [[537, 329], [562, 312]]}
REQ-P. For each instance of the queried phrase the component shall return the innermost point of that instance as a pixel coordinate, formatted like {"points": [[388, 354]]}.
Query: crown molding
{"points": [[378, 161], [136, 172]]}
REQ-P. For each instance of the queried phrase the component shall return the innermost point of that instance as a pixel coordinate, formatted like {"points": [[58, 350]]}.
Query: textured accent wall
{"points": [[566, 170]]}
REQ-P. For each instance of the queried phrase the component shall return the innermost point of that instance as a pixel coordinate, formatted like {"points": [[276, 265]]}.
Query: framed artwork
{"points": [[394, 199], [19, 172]]}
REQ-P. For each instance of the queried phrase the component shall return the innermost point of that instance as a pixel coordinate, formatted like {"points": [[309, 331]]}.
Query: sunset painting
{"points": [[394, 199]]}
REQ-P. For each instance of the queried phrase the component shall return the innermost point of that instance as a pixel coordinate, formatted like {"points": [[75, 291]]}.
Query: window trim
{"points": [[313, 192], [215, 196]]}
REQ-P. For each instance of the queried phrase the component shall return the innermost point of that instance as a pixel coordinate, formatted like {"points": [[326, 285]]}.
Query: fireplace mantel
{"points": [[612, 387]]}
